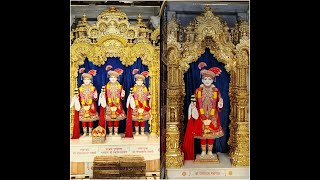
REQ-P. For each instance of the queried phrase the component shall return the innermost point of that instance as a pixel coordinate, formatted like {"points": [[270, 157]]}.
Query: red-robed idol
{"points": [[141, 112], [85, 105], [111, 102], [204, 122]]}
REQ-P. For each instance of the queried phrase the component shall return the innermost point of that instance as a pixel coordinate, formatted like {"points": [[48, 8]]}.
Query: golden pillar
{"points": [[174, 156], [73, 85], [239, 128], [233, 112], [155, 91]]}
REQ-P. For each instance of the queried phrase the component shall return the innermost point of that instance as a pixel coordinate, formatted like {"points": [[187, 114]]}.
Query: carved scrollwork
{"points": [[210, 32], [145, 51], [173, 55], [155, 35], [208, 25], [242, 52], [175, 161], [173, 30], [79, 52], [97, 55]]}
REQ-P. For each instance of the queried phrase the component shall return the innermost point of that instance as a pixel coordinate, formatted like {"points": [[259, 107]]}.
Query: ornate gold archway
{"points": [[113, 36], [232, 49]]}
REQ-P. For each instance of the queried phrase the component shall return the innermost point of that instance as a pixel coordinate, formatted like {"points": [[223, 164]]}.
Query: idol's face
{"points": [[113, 79], [139, 82], [86, 81], [207, 81]]}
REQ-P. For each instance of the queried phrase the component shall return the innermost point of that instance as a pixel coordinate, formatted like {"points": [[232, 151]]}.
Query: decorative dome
{"points": [[113, 13], [83, 24], [141, 26]]}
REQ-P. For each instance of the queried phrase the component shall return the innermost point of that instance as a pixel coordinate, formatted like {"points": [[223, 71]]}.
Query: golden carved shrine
{"points": [[113, 36], [232, 49]]}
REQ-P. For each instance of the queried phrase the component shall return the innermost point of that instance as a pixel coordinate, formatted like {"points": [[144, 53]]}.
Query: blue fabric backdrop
{"points": [[126, 80], [193, 81]]}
